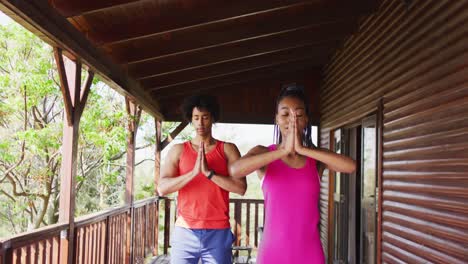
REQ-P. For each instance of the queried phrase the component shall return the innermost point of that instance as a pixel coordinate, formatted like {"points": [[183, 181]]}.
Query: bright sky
{"points": [[4, 19], [243, 135]]}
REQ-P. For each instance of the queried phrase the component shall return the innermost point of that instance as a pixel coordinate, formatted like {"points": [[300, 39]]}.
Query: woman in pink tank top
{"points": [[290, 172]]}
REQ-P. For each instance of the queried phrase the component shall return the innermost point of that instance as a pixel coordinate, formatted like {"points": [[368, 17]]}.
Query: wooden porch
{"points": [[104, 237], [151, 52], [403, 63]]}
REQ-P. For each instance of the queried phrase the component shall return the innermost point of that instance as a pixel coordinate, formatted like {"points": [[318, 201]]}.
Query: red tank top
{"points": [[201, 203]]}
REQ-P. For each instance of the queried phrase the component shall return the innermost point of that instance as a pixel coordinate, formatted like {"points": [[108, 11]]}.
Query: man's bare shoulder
{"points": [[176, 150], [228, 146], [259, 149]]}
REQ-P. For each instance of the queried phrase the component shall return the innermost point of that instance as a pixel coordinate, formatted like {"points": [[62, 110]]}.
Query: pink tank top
{"points": [[291, 231]]}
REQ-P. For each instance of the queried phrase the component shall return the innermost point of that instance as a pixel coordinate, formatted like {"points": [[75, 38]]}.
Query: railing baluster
{"points": [[150, 229], [87, 244], [118, 241], [95, 242], [109, 241], [104, 225], [263, 223], [49, 243], [79, 244], [56, 250], [117, 246], [147, 234], [156, 229], [120, 249], [24, 255], [136, 224], [167, 224], [123, 238], [238, 221], [40, 252], [142, 231], [115, 237], [99, 242], [256, 225], [247, 226], [138, 231], [34, 254], [17, 256]]}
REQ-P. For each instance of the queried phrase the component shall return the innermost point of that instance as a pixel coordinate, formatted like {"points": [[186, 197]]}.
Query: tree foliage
{"points": [[31, 129]]}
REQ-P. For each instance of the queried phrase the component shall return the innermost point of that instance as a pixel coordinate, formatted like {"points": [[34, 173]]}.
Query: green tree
{"points": [[30, 111], [31, 124]]}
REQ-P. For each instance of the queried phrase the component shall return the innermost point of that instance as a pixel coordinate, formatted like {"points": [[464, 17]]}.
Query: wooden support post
{"points": [[134, 113], [6, 253], [157, 155], [75, 98], [157, 173]]}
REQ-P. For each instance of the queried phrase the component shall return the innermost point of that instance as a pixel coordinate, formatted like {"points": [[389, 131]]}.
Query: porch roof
{"points": [[158, 52]]}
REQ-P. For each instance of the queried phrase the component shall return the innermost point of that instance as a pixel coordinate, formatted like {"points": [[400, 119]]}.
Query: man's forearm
{"points": [[230, 184], [168, 185]]}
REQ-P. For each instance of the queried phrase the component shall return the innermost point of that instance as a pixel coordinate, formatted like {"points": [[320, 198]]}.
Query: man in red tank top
{"points": [[198, 170]]}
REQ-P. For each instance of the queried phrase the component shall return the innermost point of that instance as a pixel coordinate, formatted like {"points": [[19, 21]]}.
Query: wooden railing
{"points": [[99, 238], [244, 226], [145, 229], [247, 215], [42, 244], [104, 237]]}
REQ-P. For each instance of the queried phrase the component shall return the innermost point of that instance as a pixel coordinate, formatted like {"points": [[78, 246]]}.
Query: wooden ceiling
{"points": [[176, 48]]}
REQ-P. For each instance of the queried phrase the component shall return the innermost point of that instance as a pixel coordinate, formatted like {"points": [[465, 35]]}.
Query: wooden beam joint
{"points": [[74, 95], [173, 134]]}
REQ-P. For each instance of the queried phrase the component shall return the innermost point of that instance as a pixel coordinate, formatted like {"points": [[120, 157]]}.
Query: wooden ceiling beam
{"points": [[250, 58], [237, 49], [232, 50], [188, 41], [228, 75], [70, 8], [179, 15], [234, 78], [208, 12], [53, 28], [319, 54]]}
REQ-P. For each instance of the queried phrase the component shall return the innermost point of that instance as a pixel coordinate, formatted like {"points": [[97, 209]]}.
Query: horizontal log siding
{"points": [[415, 57]]}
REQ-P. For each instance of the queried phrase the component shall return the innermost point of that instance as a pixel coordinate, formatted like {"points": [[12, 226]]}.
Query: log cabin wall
{"points": [[414, 56]]}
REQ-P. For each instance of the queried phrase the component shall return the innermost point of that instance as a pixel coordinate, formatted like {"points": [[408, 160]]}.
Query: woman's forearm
{"points": [[333, 161], [248, 164]]}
